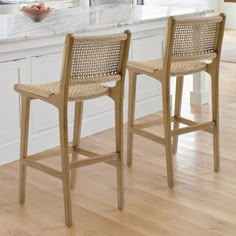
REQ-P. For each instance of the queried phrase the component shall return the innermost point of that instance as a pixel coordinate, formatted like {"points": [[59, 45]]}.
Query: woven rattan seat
{"points": [[178, 68], [77, 92], [192, 45], [89, 65]]}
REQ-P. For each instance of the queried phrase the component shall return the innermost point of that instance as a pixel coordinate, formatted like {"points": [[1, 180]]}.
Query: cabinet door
{"points": [[10, 73], [45, 69], [147, 48]]}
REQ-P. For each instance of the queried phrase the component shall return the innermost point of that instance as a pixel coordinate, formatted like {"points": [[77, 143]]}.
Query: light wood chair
{"points": [[192, 45], [88, 63]]}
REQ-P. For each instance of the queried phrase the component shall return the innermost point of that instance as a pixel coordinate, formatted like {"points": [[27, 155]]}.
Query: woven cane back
{"points": [[196, 39], [97, 59]]}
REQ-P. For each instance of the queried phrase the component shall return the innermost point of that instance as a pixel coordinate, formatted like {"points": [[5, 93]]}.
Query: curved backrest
{"points": [[97, 59], [196, 38], [94, 59]]}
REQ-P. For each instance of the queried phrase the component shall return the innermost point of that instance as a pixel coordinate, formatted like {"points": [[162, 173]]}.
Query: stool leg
{"points": [[119, 149], [131, 116], [65, 165], [215, 117], [76, 139], [167, 131], [177, 112], [23, 145]]}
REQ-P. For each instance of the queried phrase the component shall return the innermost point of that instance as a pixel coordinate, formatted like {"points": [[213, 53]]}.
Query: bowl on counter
{"points": [[37, 12]]}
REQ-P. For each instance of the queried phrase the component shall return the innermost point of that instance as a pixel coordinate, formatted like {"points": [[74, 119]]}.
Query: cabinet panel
{"points": [[10, 73], [147, 48], [44, 69], [98, 106]]}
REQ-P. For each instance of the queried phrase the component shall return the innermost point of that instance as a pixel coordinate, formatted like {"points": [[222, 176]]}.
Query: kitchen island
{"points": [[32, 52]]}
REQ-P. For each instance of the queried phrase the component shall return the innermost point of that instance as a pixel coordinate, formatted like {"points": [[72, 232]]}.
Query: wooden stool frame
{"points": [[60, 101], [174, 54]]}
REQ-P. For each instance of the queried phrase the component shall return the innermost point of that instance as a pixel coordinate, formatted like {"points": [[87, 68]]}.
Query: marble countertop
{"points": [[18, 27], [183, 3]]}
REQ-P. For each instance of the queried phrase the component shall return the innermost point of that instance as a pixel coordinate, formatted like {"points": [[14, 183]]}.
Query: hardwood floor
{"points": [[229, 46], [202, 202]]}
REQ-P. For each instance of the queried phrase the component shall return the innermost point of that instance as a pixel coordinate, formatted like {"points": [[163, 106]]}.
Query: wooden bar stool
{"points": [[88, 63], [192, 45]]}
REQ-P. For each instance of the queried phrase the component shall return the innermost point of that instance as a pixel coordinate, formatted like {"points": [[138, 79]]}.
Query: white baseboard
{"points": [[9, 153], [50, 138]]}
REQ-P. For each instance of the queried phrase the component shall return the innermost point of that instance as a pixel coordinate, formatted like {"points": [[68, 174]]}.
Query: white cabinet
{"points": [[147, 49], [11, 73], [40, 66], [148, 89], [44, 69]]}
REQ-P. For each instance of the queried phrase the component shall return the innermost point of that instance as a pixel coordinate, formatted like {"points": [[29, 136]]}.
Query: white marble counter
{"points": [[18, 27], [183, 3]]}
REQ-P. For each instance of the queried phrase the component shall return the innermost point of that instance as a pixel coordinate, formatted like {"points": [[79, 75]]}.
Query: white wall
{"points": [[229, 9], [187, 3], [220, 6], [213, 4]]}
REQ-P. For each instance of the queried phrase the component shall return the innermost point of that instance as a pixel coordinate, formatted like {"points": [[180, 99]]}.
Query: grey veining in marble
{"points": [[18, 27]]}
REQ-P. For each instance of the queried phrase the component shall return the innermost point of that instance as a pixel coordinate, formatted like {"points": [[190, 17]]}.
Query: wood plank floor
{"points": [[229, 46], [201, 204]]}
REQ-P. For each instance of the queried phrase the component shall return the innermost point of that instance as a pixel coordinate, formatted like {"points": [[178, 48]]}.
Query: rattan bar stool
{"points": [[192, 45], [88, 63]]}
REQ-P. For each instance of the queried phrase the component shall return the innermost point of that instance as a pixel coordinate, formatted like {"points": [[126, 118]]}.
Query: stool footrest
{"points": [[195, 127], [46, 169], [149, 135], [151, 123], [192, 126], [50, 153], [84, 152], [93, 160], [190, 123]]}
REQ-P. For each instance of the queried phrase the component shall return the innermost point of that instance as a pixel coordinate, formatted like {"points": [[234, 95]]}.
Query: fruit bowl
{"points": [[36, 12]]}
